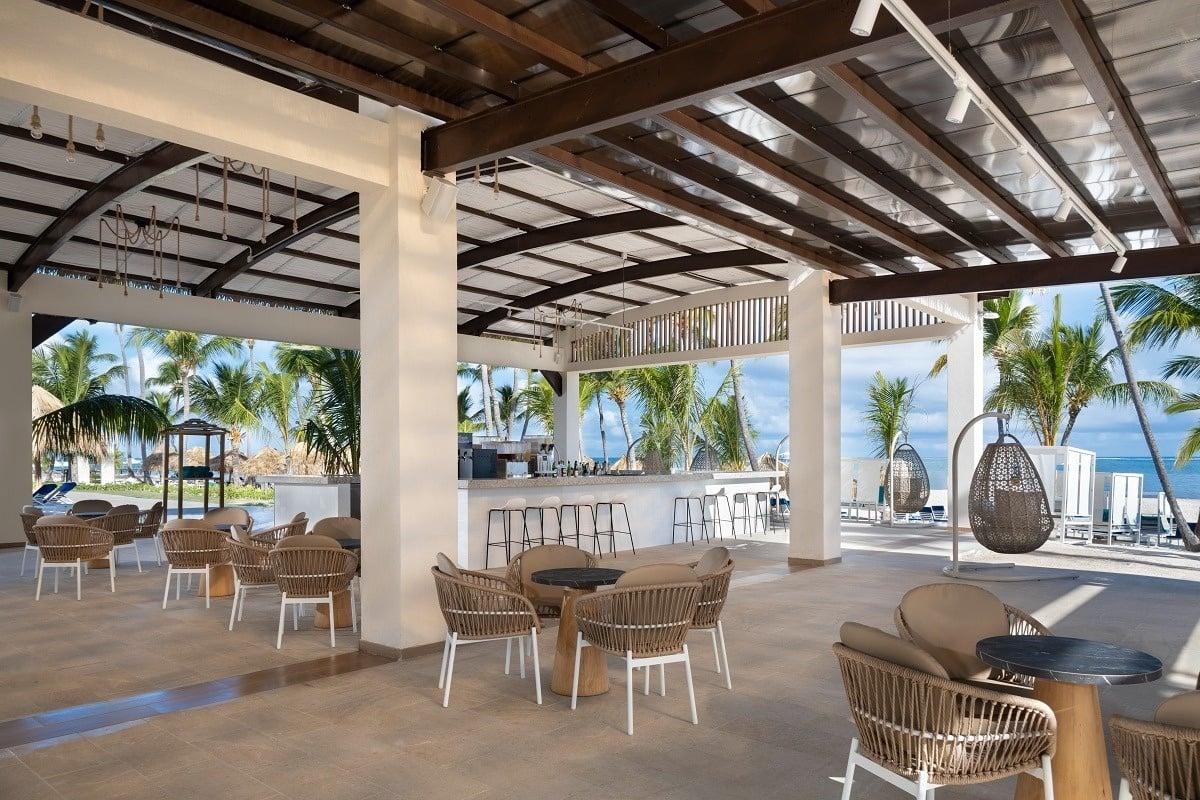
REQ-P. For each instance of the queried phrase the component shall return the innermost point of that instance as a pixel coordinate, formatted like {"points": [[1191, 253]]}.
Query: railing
{"points": [[882, 315]]}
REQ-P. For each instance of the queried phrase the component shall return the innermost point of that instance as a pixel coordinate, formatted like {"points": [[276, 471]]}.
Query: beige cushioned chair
{"points": [[714, 570], [1160, 760], [312, 569], [547, 600], [29, 518], [919, 730], [229, 515], [339, 527], [947, 620], [297, 527]]}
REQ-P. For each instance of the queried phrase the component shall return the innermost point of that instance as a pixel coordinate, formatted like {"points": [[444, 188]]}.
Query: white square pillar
{"points": [[566, 419], [964, 401], [409, 357], [16, 443], [815, 421]]}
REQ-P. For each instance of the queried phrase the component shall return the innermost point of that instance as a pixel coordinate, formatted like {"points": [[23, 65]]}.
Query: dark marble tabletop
{"points": [[89, 514], [350, 543], [1061, 658], [577, 577]]}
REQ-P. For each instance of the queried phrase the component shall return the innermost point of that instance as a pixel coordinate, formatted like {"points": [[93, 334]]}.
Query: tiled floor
{"points": [[381, 732]]}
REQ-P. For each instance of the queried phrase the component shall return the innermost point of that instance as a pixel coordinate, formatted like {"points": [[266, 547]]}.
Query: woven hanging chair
{"points": [[1007, 503], [910, 483]]}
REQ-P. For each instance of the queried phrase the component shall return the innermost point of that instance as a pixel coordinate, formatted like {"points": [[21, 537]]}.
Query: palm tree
{"points": [[120, 331], [672, 399], [189, 352], [889, 403], [1035, 375], [620, 390], [1014, 321], [743, 419], [230, 398], [76, 426], [592, 386], [537, 403], [276, 389], [474, 373], [333, 432], [724, 435], [468, 420]]}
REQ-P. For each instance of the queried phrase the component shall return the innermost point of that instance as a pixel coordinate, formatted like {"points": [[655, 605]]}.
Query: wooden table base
{"points": [[222, 581], [1080, 764], [593, 671], [341, 612]]}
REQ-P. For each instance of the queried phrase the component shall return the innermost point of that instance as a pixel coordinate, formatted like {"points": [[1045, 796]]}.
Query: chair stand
{"points": [[239, 597], [631, 664], [294, 602], [451, 647], [720, 654], [177, 571], [922, 788], [77, 565], [136, 555], [25, 553]]}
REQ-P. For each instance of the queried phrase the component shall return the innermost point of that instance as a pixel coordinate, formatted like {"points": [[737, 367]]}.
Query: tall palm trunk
{"points": [[128, 392], [624, 414], [185, 377], [739, 403], [603, 435], [1135, 393], [491, 403], [512, 407], [141, 360]]}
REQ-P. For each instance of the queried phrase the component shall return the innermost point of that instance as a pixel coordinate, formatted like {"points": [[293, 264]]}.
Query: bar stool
{"points": [[581, 508], [713, 500], [516, 506], [775, 501], [611, 531], [762, 503], [749, 513], [693, 515], [551, 503]]}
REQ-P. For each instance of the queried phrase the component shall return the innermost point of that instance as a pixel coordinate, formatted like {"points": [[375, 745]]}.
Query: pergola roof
{"points": [[634, 166]]}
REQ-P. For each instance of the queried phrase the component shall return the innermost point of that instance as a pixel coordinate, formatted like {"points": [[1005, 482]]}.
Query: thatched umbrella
{"points": [[231, 456], [155, 460], [267, 461], [304, 462], [43, 403]]}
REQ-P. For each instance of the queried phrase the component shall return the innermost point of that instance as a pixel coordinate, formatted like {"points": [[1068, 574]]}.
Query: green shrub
{"points": [[192, 491]]}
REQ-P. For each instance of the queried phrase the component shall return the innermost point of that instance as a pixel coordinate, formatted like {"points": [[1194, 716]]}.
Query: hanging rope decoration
{"points": [[496, 178], [125, 234], [1007, 503], [908, 480], [230, 165]]}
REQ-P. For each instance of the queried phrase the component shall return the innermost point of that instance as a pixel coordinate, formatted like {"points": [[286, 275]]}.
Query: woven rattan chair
{"points": [[193, 548], [149, 523], [251, 570], [122, 523], [919, 731], [479, 607], [547, 600], [714, 571], [644, 623], [91, 506], [273, 536], [29, 517], [1160, 760], [1007, 503], [339, 527], [955, 598], [71, 546], [313, 574], [229, 515]]}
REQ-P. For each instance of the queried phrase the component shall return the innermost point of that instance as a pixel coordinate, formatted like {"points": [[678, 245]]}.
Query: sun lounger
{"points": [[44, 491], [60, 494], [939, 514]]}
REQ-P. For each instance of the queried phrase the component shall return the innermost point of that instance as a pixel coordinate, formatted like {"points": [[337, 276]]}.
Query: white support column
{"points": [[566, 419], [964, 400], [409, 345], [815, 421], [16, 466], [81, 469], [108, 467]]}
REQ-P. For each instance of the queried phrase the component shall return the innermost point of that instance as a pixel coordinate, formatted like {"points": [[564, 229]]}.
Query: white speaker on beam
{"points": [[439, 199]]}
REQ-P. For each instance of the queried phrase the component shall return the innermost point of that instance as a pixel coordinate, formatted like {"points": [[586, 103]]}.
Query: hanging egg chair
{"points": [[1007, 502], [907, 481]]}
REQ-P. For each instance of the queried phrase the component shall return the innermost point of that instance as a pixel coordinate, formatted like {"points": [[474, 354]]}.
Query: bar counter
{"points": [[650, 500]]}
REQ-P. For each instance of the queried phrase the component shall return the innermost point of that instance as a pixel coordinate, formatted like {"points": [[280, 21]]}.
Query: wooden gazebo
{"points": [[182, 431]]}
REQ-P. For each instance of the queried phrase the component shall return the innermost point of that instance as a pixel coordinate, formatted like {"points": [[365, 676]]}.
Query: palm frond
{"points": [[77, 427]]}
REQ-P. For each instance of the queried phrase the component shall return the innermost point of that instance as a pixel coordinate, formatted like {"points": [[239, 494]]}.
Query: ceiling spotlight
{"points": [[989, 315], [1064, 210], [1112, 113], [1028, 164], [959, 106], [35, 124], [864, 18], [1119, 264], [1101, 239], [100, 136]]}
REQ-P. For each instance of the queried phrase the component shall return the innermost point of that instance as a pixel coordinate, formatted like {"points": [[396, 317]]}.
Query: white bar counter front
{"points": [[650, 500]]}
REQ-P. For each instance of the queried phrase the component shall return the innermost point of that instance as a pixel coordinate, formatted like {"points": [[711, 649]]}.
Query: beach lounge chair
{"points": [[44, 491], [939, 514], [60, 494]]}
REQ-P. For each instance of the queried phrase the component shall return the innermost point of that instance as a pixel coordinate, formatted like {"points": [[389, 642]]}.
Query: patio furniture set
{"points": [[645, 618], [973, 690]]}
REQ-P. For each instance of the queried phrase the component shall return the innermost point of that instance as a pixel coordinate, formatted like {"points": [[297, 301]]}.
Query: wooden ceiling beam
{"points": [[748, 8], [849, 85], [1161, 262], [208, 22], [626, 20], [739, 56], [606, 225], [1079, 45]]}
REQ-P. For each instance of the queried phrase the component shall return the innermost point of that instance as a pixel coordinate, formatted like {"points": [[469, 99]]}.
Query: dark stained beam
{"points": [[38, 209], [345, 19], [208, 22], [499, 28], [739, 56], [849, 85], [566, 232], [124, 181], [1160, 262], [748, 8], [555, 379], [310, 223], [643, 271], [46, 326], [592, 169], [874, 171], [1079, 45], [626, 20]]}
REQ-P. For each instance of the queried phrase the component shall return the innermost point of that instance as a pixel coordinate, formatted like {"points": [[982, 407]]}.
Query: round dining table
{"points": [[1066, 675], [593, 672]]}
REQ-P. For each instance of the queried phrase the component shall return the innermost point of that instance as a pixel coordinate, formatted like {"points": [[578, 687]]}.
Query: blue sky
{"points": [[1109, 431]]}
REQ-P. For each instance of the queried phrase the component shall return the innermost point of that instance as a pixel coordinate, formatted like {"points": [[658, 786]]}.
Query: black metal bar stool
{"points": [[550, 504], [583, 507], [693, 515], [712, 501], [516, 506], [745, 508], [612, 530]]}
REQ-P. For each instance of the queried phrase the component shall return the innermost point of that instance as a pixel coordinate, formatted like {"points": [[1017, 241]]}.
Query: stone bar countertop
{"points": [[527, 484]]}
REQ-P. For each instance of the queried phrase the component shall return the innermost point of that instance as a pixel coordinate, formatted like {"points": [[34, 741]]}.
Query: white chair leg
{"points": [[178, 580], [79, 577], [167, 588], [207, 587], [628, 690], [724, 655], [1048, 783], [237, 591], [112, 574], [159, 554], [332, 622], [507, 657], [922, 790], [353, 612], [450, 669], [575, 675], [521, 655], [41, 572], [282, 617], [662, 680], [537, 667], [687, 671], [716, 649], [646, 681], [848, 781], [24, 554], [445, 655], [295, 616], [56, 571], [137, 557]]}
